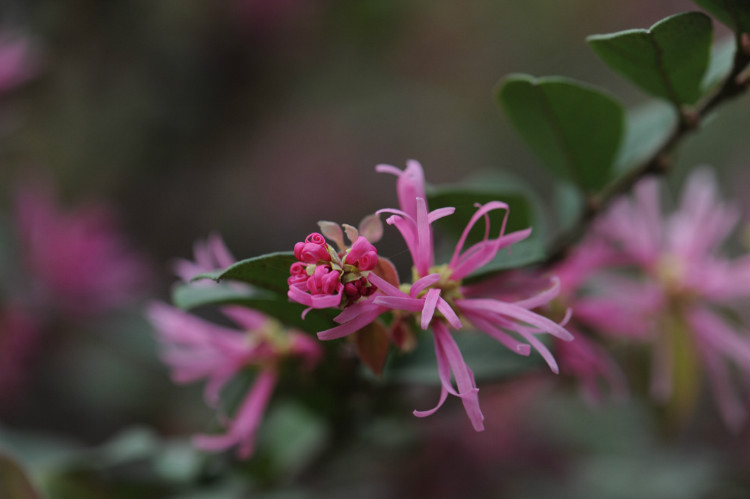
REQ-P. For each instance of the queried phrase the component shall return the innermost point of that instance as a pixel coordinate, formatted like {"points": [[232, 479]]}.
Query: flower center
{"points": [[670, 271]]}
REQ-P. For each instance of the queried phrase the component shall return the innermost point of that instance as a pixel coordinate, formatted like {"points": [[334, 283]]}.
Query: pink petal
{"points": [[352, 326], [501, 336], [467, 389], [430, 302], [479, 305], [449, 314], [425, 282]]}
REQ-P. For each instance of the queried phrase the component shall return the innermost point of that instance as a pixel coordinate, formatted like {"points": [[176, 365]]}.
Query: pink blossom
{"points": [[196, 349], [440, 298], [211, 254], [680, 275], [79, 261], [584, 358], [17, 64], [589, 362]]}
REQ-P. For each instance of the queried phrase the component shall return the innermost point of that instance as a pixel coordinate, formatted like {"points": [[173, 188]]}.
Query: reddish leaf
{"points": [[372, 346]]}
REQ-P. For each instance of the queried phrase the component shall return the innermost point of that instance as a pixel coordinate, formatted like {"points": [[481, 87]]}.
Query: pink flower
{"points": [[584, 358], [440, 298], [326, 278], [79, 261], [196, 349], [589, 362], [211, 254], [681, 287], [16, 62]]}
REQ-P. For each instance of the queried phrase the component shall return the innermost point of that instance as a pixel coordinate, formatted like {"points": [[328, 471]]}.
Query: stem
{"points": [[735, 84]]}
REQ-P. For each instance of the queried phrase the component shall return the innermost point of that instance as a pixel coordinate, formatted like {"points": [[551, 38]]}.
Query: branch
{"points": [[736, 83]]}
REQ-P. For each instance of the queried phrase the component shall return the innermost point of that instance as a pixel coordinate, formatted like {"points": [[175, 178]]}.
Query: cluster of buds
{"points": [[324, 277]]}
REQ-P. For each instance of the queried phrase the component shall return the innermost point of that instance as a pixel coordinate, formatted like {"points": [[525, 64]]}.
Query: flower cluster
{"points": [[326, 278], [438, 298], [197, 349]]}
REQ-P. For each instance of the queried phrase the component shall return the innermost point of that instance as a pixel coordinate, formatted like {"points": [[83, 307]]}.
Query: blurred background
{"points": [[136, 127]]}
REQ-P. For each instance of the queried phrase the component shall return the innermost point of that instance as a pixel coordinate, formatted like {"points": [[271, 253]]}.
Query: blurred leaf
{"points": [[488, 359], [568, 205], [187, 296], [373, 345], [733, 13], [135, 463], [266, 271], [668, 60], [179, 461], [294, 436], [14, 484], [129, 445], [574, 128], [603, 462], [277, 306], [647, 128], [720, 65]]}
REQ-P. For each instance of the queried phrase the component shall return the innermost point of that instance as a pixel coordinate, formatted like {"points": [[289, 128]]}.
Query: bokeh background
{"points": [[255, 119]]}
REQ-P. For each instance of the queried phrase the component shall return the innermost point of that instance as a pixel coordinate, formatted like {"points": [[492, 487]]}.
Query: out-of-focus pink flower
{"points": [[589, 362], [583, 358], [681, 278], [440, 298], [17, 64], [19, 337], [196, 349], [77, 261], [211, 254]]}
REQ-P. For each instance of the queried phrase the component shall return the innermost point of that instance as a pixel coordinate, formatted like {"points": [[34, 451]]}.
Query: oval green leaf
{"points": [[266, 271], [733, 13], [274, 305], [647, 128], [574, 128], [464, 199], [667, 61]]}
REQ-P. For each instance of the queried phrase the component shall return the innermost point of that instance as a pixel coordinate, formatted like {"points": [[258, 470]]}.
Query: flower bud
{"points": [[362, 255]]}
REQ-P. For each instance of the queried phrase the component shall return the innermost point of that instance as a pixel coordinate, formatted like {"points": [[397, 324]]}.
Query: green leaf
{"points": [[277, 306], [722, 59], [733, 13], [187, 296], [266, 271], [648, 127], [14, 484], [483, 188], [574, 128], [524, 253], [667, 61], [294, 437], [522, 212]]}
